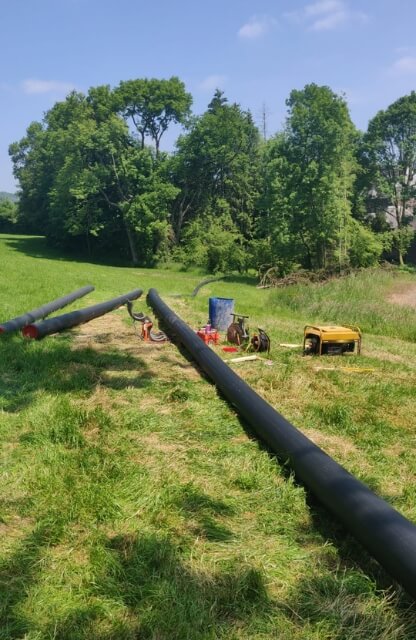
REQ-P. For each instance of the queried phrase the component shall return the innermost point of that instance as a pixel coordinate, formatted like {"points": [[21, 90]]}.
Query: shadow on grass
{"points": [[203, 511], [163, 596], [241, 279], [345, 605], [232, 278], [151, 591], [144, 586], [37, 247], [27, 367], [18, 574]]}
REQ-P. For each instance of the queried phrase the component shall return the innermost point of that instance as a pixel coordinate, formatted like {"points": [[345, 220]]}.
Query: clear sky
{"points": [[255, 51]]}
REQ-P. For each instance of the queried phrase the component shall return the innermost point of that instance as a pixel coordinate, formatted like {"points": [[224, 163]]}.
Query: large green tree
{"points": [[389, 165], [216, 167], [275, 244], [84, 176], [111, 187], [309, 183]]}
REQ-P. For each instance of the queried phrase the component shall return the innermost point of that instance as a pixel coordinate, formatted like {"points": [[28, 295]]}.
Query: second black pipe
{"points": [[31, 316], [68, 320]]}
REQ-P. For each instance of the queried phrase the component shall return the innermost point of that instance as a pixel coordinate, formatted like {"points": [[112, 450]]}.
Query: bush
{"points": [[366, 247], [8, 216], [215, 244]]}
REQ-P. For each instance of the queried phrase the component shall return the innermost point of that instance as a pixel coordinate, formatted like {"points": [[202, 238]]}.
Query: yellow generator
{"points": [[331, 340]]}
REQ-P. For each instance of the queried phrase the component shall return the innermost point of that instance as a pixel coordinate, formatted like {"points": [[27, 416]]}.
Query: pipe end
{"points": [[30, 331]]}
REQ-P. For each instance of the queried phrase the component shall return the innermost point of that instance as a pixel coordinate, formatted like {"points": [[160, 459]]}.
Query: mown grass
{"points": [[134, 504]]}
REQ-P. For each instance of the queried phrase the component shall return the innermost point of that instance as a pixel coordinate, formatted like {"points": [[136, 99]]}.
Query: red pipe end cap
{"points": [[30, 331]]}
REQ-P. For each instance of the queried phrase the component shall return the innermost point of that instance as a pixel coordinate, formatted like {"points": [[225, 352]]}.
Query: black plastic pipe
{"points": [[68, 320], [31, 316], [387, 535]]}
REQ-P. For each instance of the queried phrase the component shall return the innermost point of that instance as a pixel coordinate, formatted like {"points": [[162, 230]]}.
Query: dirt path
{"points": [[405, 297], [109, 332]]}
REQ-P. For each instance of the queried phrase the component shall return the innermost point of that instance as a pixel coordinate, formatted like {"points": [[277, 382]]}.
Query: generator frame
{"points": [[344, 337]]}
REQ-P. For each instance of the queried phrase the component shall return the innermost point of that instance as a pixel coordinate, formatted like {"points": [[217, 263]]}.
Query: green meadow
{"points": [[134, 504]]}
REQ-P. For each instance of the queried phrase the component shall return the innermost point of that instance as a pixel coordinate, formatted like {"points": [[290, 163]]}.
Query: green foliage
{"points": [[214, 243], [148, 215], [83, 176], [402, 238], [8, 215], [32, 167], [152, 105], [277, 245], [309, 179], [216, 161], [365, 247], [389, 158], [309, 197]]}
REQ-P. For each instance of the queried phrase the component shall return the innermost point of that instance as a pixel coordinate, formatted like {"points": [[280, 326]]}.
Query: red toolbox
{"points": [[209, 336]]}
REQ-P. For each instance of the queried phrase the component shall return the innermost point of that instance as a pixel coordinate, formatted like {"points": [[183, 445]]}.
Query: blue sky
{"points": [[257, 52]]}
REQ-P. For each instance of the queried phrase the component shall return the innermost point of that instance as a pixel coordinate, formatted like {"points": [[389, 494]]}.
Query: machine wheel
{"points": [[235, 334]]}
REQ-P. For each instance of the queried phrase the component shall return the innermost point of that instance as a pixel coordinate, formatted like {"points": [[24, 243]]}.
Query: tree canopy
{"points": [[93, 177], [152, 105], [309, 174], [389, 155]]}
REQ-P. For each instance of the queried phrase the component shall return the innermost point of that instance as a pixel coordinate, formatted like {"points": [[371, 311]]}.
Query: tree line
{"points": [[318, 195]]}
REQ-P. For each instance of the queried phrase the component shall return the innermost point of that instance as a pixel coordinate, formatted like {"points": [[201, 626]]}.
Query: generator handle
{"points": [[311, 326]]}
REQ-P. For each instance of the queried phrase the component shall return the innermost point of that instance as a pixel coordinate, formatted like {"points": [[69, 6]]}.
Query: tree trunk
{"points": [[308, 251], [88, 237], [133, 251], [179, 222]]}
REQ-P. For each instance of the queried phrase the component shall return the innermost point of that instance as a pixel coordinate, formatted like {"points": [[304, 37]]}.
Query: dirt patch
{"points": [[102, 398], [331, 443], [241, 439], [394, 451], [106, 332], [405, 296], [161, 360], [153, 441], [15, 527], [62, 553], [150, 402]]}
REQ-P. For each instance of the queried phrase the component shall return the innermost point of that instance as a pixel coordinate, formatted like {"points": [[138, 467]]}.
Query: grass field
{"points": [[133, 503]]}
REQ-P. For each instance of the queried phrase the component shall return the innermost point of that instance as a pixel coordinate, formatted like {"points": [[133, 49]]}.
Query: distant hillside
{"points": [[4, 195]]}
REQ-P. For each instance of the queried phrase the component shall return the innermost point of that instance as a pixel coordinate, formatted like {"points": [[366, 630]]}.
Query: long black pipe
{"points": [[385, 533], [68, 320], [21, 321]]}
